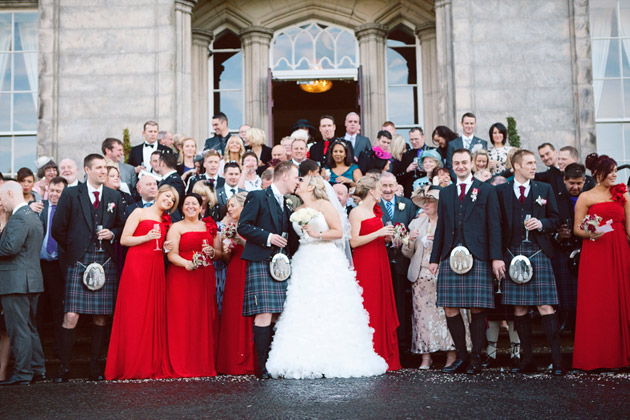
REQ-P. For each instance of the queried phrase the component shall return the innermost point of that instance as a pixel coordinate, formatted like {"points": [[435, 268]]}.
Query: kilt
{"points": [[540, 290], [566, 281], [470, 290], [80, 299], [262, 293]]}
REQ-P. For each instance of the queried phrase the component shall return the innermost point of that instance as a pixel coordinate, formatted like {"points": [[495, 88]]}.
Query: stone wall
{"points": [[105, 65], [517, 58]]}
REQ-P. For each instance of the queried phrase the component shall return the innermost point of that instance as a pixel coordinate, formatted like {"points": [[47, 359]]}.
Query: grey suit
{"points": [[128, 175], [21, 282], [361, 143], [458, 143]]}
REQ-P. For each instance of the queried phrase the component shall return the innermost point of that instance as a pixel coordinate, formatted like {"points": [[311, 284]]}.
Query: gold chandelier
{"points": [[315, 86]]}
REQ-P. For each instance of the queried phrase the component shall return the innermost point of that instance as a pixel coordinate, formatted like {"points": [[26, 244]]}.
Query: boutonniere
{"points": [[289, 202], [401, 206], [541, 201], [473, 195], [111, 207]]}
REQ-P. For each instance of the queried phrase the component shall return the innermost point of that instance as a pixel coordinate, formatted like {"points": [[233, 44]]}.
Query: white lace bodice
{"points": [[318, 224]]}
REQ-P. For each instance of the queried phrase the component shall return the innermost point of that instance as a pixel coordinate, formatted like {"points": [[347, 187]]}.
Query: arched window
{"points": [[314, 48], [404, 89], [226, 79]]}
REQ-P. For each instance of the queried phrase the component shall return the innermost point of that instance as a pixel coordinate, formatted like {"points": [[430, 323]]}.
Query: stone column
{"points": [[372, 37], [584, 106], [48, 81], [183, 49], [200, 90], [445, 72], [255, 41], [428, 47]]}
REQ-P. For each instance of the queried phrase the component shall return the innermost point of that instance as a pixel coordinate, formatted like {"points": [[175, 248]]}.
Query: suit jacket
{"points": [[481, 228], [222, 200], [196, 178], [73, 227], [217, 143], [546, 213], [316, 152], [20, 243], [175, 181], [128, 175], [135, 155], [399, 169], [361, 143], [404, 212], [258, 219], [458, 143]]}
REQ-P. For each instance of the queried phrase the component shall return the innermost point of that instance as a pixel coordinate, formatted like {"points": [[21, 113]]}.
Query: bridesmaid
{"points": [[236, 341], [191, 306], [137, 347], [372, 266]]}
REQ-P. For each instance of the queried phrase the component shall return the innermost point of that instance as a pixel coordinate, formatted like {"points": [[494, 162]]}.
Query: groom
{"points": [[263, 221]]}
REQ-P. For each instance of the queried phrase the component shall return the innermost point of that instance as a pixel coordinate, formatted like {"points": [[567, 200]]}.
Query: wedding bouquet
{"points": [[229, 235], [401, 235], [590, 223], [199, 260], [304, 216]]}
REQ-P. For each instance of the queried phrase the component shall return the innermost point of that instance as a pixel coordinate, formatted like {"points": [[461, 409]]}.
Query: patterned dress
{"points": [[499, 155]]}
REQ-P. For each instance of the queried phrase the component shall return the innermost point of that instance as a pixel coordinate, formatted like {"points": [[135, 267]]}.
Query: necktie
{"points": [[390, 209], [147, 204], [51, 245], [233, 191], [148, 145], [326, 144], [521, 199], [97, 202], [462, 192], [467, 143], [211, 181]]}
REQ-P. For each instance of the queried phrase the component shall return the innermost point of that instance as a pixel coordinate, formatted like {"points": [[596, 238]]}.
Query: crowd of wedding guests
{"points": [[152, 243]]}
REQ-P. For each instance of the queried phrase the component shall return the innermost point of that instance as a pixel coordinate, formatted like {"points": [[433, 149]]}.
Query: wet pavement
{"points": [[408, 394]]}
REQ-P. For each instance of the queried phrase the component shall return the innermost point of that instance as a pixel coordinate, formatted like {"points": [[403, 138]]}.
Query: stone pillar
{"points": [[584, 106], [445, 72], [428, 47], [255, 41], [200, 90], [183, 50], [48, 81], [372, 37]]}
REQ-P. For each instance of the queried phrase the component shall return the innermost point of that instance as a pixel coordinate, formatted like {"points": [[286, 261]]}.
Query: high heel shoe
{"points": [[426, 367]]}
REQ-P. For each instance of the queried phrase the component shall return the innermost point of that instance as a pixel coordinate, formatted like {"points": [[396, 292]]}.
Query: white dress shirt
{"points": [[468, 181], [517, 189], [91, 190], [280, 199], [147, 151], [352, 138]]}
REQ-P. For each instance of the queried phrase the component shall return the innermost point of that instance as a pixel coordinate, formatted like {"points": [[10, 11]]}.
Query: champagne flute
{"points": [[527, 219], [156, 226], [395, 251], [204, 244], [100, 241], [498, 292]]}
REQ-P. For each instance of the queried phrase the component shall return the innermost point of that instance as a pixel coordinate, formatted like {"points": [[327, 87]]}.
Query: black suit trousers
{"points": [[50, 306], [402, 297]]}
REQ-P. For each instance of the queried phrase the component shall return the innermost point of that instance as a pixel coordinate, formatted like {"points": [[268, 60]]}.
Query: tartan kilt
{"points": [[541, 289], [471, 290], [566, 281], [262, 293], [80, 299]]}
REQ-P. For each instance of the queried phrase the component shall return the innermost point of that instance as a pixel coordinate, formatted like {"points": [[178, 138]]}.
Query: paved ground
{"points": [[408, 394]]}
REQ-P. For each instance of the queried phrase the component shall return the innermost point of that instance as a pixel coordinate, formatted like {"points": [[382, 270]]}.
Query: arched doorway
{"points": [[299, 57]]}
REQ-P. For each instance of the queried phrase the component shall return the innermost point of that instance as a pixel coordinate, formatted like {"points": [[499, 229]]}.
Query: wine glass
{"points": [[498, 292], [156, 226], [527, 219], [100, 241]]}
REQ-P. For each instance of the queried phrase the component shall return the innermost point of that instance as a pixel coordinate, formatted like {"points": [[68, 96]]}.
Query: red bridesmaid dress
{"points": [[191, 309], [372, 266], [236, 342], [137, 346], [602, 328]]}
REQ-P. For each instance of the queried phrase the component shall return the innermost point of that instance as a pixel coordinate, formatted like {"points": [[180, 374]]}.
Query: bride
{"points": [[323, 330]]}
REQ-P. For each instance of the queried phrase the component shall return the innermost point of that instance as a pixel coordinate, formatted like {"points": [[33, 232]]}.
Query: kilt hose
{"points": [[262, 293], [471, 290], [541, 289], [80, 299]]}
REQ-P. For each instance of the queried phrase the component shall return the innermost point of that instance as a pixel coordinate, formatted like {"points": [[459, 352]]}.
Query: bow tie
{"points": [[149, 145]]}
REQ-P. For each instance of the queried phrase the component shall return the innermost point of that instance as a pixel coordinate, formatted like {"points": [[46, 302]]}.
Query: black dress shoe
{"points": [[524, 368], [39, 378], [97, 377], [15, 381], [489, 362], [458, 366], [263, 374], [474, 367], [557, 370], [62, 376]]}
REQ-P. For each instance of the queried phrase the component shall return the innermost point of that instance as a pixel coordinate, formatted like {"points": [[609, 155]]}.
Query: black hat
{"points": [[302, 123]]}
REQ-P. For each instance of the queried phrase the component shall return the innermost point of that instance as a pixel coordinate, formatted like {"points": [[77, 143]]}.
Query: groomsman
{"points": [[467, 140], [468, 215], [398, 210], [528, 216], [232, 174], [359, 143], [74, 226], [52, 271], [264, 223], [211, 164], [140, 155], [21, 284], [168, 172]]}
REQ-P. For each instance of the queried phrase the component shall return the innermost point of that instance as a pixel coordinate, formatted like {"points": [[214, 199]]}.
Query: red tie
{"points": [[521, 199], [326, 144], [462, 193], [97, 202]]}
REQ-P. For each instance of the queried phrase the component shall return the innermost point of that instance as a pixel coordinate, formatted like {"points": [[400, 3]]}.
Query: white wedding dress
{"points": [[323, 330]]}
